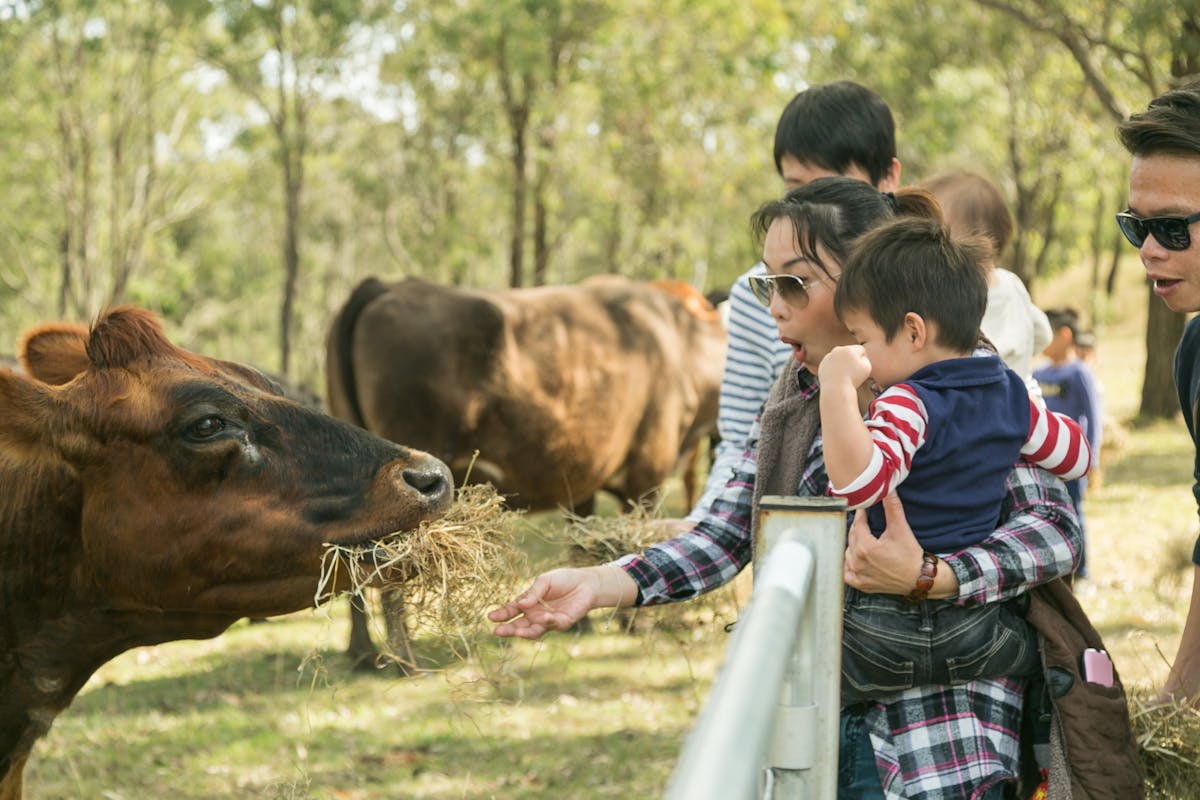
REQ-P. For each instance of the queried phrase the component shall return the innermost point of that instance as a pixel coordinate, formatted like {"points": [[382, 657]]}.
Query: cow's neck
{"points": [[54, 633], [42, 673]]}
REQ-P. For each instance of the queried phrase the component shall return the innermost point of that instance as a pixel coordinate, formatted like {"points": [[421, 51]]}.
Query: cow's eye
{"points": [[205, 428]]}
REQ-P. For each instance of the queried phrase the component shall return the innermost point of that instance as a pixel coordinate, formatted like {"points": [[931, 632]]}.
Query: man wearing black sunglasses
{"points": [[1161, 221]]}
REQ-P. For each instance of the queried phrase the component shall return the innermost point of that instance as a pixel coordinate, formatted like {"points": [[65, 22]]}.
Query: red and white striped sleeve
{"points": [[1056, 442], [898, 424]]}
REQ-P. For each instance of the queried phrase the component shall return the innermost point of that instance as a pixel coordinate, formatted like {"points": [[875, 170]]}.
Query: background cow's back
{"points": [[562, 390]]}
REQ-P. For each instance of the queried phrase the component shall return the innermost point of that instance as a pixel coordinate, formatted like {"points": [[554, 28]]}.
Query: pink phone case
{"points": [[1097, 667]]}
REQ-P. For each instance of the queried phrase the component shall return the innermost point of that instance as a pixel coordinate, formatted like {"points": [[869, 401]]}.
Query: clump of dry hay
{"points": [[1168, 736], [451, 570], [597, 540]]}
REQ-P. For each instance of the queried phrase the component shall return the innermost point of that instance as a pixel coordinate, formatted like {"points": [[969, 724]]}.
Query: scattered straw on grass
{"points": [[1168, 736], [448, 572]]}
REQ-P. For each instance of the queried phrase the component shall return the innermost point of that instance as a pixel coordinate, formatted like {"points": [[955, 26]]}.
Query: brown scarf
{"points": [[787, 427]]}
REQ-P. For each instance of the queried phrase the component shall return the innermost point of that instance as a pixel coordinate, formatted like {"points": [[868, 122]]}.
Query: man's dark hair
{"points": [[836, 125], [913, 264], [1170, 125]]}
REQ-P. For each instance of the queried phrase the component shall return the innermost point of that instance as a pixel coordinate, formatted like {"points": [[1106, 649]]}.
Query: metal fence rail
{"points": [[769, 728]]}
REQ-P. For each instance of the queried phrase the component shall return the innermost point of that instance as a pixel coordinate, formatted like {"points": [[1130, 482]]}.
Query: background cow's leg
{"points": [[690, 468], [398, 637], [585, 508], [361, 650]]}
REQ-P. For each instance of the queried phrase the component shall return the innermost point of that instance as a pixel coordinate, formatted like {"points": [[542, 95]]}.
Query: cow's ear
{"points": [[55, 353], [26, 412]]}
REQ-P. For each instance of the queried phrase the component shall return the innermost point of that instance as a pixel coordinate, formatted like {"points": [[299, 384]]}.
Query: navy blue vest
{"points": [[978, 421]]}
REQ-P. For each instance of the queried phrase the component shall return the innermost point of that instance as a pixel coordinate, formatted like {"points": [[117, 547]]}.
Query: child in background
{"points": [[974, 206], [1069, 388], [943, 432]]}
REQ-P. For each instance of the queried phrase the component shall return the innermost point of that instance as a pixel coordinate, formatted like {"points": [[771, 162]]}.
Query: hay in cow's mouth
{"points": [[450, 570]]}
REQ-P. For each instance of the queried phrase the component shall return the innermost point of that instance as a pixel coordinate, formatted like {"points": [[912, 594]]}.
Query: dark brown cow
{"points": [[562, 390], [149, 494]]}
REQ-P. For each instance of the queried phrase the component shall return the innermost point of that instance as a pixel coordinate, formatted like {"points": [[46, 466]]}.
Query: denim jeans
{"points": [[889, 645], [858, 777]]}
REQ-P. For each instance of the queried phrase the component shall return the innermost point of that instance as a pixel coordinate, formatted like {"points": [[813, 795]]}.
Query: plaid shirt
{"points": [[930, 742]]}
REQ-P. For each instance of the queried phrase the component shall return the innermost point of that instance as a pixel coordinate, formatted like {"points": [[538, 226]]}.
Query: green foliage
{"points": [[648, 126]]}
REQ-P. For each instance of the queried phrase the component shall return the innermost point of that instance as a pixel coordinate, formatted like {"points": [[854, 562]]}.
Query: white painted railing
{"points": [[770, 726]]}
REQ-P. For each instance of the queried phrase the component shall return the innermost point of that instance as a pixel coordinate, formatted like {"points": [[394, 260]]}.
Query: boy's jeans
{"points": [[888, 645]]}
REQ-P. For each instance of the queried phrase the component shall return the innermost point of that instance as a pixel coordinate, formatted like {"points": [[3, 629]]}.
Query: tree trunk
{"points": [[1110, 283], [516, 250], [516, 107], [1164, 328], [291, 262]]}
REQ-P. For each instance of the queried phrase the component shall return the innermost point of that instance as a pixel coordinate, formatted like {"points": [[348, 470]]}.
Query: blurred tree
{"points": [[281, 56], [95, 126], [1157, 43]]}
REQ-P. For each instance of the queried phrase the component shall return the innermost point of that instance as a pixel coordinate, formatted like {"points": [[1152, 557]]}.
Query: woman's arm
{"points": [[706, 557], [558, 599], [1039, 539]]}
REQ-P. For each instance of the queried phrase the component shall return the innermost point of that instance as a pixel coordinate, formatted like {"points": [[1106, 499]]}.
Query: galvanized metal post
{"points": [[770, 723], [803, 760]]}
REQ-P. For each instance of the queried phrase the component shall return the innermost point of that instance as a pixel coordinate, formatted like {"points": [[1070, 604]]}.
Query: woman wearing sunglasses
{"points": [[904, 745], [1163, 222]]}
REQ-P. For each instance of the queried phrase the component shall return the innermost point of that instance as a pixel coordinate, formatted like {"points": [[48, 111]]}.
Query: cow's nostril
{"points": [[431, 482]]}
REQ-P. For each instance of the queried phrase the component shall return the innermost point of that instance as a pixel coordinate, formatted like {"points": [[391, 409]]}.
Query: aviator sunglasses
{"points": [[792, 289], [1171, 232]]}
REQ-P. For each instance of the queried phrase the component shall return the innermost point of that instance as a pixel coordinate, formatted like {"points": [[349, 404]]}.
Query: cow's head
{"points": [[171, 482]]}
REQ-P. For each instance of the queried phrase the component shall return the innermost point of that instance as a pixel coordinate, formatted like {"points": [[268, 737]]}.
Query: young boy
{"points": [[1069, 387], [1164, 206], [944, 432]]}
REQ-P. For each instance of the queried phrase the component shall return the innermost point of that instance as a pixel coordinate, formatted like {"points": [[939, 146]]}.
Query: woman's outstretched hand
{"points": [[558, 599], [891, 563]]}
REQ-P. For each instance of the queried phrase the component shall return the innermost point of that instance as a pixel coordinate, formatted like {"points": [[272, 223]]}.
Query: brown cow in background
{"points": [[149, 494], [562, 390]]}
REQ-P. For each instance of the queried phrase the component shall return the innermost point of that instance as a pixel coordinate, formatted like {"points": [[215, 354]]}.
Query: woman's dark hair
{"points": [[833, 212], [914, 265]]}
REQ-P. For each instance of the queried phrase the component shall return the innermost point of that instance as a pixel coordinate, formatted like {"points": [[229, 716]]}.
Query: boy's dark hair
{"points": [[973, 206], [1064, 317], [913, 264], [836, 125], [833, 212], [1170, 125]]}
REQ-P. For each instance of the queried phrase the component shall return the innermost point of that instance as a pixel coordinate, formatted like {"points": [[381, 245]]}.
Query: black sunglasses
{"points": [[791, 288], [1171, 232]]}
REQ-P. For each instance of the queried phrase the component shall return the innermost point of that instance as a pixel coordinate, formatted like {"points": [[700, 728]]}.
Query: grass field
{"points": [[271, 710]]}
